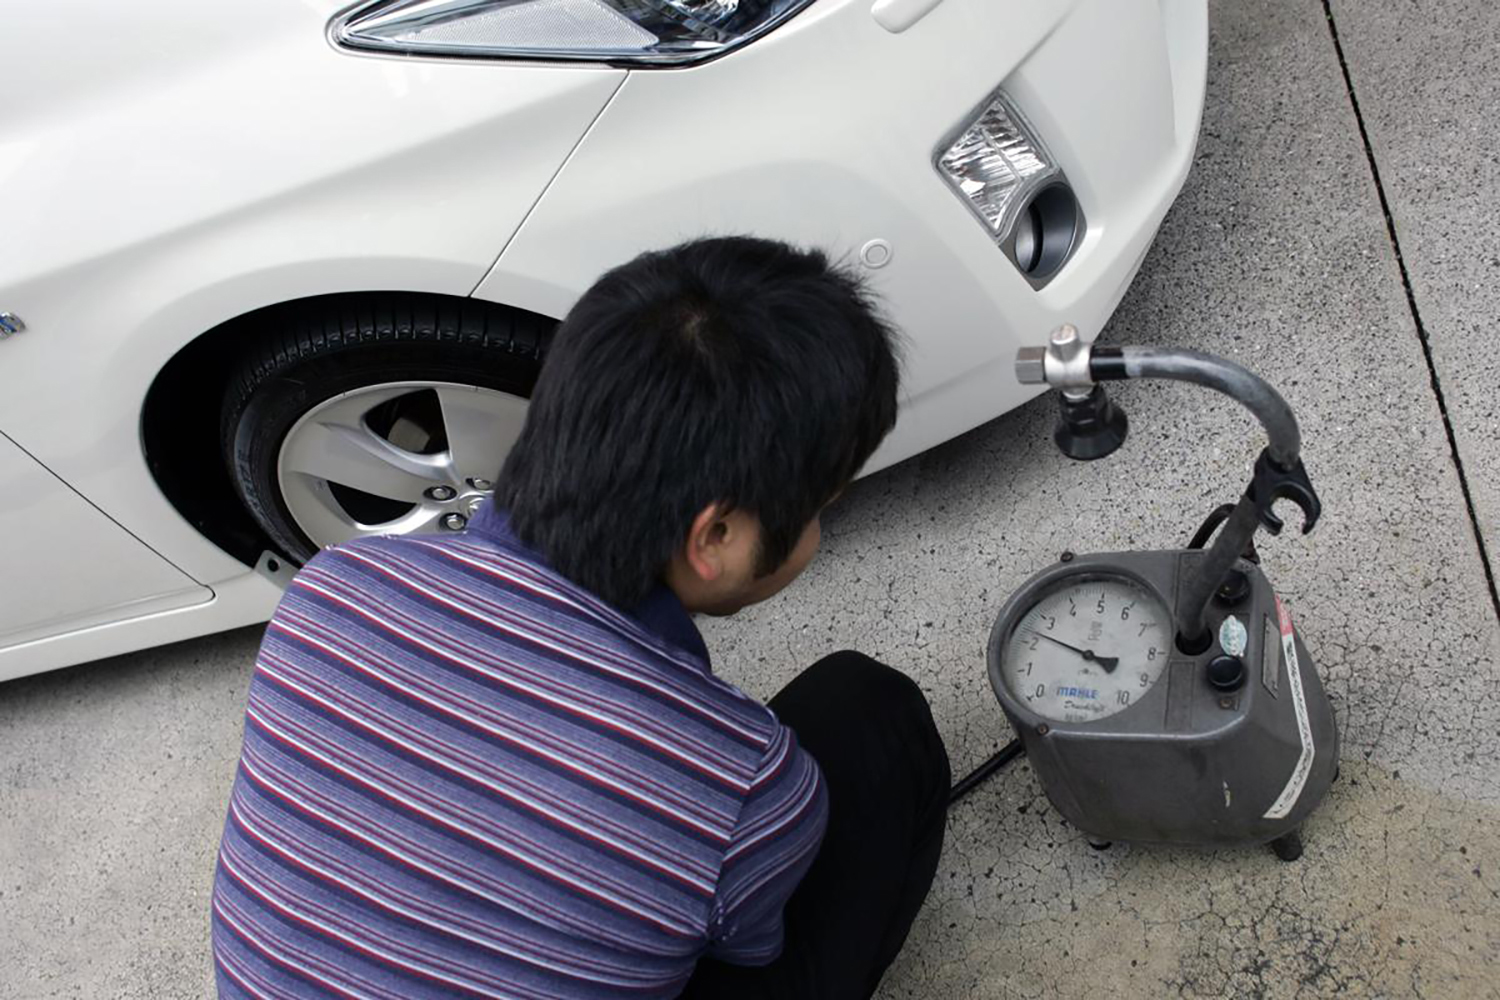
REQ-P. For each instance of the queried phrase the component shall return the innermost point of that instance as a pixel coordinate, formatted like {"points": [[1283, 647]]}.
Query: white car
{"points": [[273, 275]]}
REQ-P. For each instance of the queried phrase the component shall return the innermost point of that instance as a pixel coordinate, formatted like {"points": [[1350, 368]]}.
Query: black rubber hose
{"points": [[976, 777], [1210, 525], [1235, 381]]}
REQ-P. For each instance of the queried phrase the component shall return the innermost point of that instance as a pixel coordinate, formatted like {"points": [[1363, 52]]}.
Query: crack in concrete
{"points": [[1416, 314]]}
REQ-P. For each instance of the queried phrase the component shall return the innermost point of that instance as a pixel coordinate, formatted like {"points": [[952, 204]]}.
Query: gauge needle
{"points": [[1107, 662]]}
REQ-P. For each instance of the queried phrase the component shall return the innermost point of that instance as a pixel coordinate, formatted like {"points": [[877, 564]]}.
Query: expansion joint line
{"points": [[1416, 314]]}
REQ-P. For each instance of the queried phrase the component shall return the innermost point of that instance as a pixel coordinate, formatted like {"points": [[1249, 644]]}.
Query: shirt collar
{"points": [[660, 614], [663, 614]]}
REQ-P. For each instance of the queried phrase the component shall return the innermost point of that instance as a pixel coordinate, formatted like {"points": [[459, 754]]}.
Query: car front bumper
{"points": [[825, 133]]}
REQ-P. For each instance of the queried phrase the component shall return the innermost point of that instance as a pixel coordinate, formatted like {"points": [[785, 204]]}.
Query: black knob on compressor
{"points": [[1234, 589], [1227, 673]]}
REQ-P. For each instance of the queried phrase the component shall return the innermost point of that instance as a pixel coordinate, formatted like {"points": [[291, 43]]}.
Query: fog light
{"points": [[1003, 172]]}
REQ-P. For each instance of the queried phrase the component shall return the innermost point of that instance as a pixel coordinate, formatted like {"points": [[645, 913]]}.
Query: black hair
{"points": [[733, 370]]}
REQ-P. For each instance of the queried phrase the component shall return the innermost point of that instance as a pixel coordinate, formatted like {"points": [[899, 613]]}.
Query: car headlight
{"points": [[633, 31]]}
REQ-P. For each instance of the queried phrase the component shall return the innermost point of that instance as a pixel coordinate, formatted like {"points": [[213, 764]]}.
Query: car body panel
{"points": [[243, 600], [737, 146], [145, 213], [170, 165], [68, 566]]}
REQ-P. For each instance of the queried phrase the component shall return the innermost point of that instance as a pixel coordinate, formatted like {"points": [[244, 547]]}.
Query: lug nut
{"points": [[441, 493], [454, 522], [483, 485]]}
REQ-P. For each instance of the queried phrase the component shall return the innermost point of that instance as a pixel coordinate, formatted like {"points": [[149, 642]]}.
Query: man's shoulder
{"points": [[496, 601]]}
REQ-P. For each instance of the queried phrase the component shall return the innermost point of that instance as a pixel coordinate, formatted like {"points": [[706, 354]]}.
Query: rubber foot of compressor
{"points": [[1288, 846]]}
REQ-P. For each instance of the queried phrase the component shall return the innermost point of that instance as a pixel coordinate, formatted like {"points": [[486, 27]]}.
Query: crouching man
{"points": [[498, 763]]}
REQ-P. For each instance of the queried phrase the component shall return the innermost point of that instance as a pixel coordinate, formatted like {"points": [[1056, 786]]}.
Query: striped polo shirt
{"points": [[463, 776]]}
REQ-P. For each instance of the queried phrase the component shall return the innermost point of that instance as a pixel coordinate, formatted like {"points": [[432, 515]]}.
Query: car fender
{"points": [[191, 164]]}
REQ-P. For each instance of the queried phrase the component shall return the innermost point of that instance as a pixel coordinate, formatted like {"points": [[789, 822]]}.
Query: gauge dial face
{"points": [[1091, 646]]}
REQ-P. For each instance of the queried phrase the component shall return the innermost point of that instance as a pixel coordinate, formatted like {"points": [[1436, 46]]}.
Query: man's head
{"points": [[696, 411]]}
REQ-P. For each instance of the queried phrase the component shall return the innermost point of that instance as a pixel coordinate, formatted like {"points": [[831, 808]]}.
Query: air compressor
{"points": [[1166, 696]]}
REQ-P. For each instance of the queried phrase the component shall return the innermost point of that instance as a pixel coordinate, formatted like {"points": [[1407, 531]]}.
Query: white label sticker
{"points": [[1294, 784], [1233, 637]]}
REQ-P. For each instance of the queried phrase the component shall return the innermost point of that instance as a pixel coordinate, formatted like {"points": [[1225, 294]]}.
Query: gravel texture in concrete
{"points": [[1428, 85], [114, 779], [113, 776]]}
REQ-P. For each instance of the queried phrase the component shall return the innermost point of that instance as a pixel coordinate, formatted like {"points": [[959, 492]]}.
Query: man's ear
{"points": [[707, 542]]}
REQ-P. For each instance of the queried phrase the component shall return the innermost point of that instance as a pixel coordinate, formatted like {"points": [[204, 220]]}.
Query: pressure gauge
{"points": [[1090, 646]]}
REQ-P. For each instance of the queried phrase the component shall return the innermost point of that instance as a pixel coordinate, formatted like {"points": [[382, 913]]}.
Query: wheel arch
{"points": [[180, 414]]}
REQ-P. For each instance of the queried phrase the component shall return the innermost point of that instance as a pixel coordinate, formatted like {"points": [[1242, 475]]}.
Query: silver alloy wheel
{"points": [[425, 467]]}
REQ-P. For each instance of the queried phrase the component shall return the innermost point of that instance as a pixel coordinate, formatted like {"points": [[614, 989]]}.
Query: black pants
{"points": [[871, 732]]}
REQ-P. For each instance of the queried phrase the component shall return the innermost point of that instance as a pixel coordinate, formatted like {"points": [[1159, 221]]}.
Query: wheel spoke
{"points": [[335, 444], [481, 428], [357, 457], [324, 518], [318, 513]]}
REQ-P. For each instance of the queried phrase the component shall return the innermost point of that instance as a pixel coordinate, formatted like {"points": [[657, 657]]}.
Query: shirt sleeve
{"points": [[778, 834]]}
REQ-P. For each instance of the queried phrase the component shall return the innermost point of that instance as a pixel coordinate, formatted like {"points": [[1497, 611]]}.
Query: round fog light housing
{"points": [[1045, 233]]}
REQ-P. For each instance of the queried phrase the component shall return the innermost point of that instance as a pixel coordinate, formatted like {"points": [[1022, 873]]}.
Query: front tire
{"points": [[376, 415]]}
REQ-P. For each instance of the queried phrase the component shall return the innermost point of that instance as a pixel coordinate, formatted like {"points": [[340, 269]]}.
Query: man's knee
{"points": [[886, 698], [851, 670]]}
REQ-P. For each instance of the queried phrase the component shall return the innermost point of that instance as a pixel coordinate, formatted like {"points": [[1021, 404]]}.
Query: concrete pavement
{"points": [[113, 776], [1430, 103]]}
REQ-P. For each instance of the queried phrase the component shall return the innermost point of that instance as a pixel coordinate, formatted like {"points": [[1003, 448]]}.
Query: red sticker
{"points": [[1285, 617]]}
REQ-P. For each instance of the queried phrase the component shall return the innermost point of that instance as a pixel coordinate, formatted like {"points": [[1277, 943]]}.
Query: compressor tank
{"points": [[1196, 760]]}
